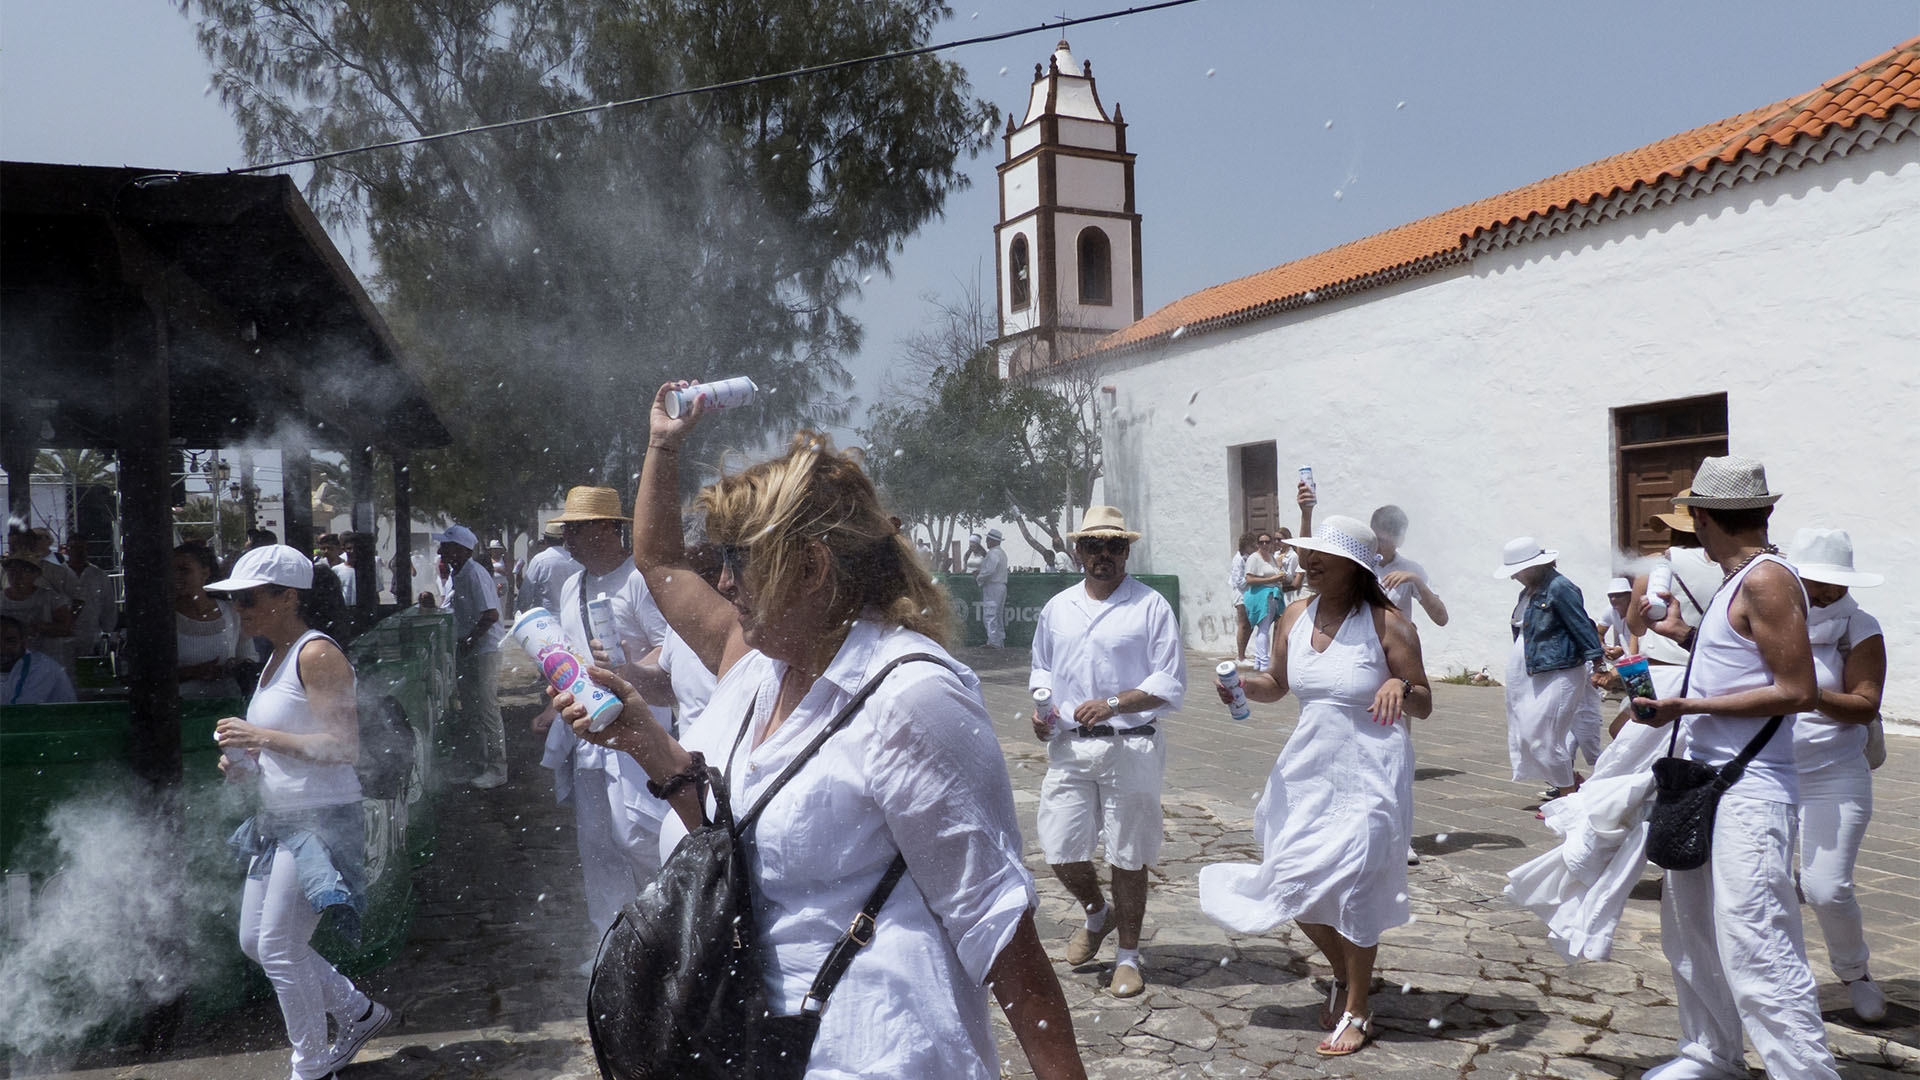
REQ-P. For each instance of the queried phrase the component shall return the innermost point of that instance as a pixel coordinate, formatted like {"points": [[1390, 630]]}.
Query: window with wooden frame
{"points": [[1096, 266], [1657, 447], [1019, 274]]}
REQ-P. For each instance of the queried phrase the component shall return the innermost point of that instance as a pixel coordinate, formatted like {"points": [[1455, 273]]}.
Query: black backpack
{"points": [[386, 747], [678, 988]]}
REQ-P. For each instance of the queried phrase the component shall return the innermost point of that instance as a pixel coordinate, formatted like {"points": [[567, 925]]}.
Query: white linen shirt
{"points": [[1085, 649], [993, 567], [471, 596], [1406, 595], [917, 771], [545, 573], [693, 681], [638, 622]]}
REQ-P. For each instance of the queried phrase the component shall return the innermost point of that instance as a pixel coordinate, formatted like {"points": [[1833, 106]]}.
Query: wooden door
{"points": [[1259, 487], [1650, 477]]}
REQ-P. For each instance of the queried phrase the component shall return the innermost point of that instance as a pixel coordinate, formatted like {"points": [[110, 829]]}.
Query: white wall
{"points": [[1478, 398]]}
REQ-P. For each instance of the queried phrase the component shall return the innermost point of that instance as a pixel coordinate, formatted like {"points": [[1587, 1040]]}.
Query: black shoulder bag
{"points": [[1687, 793], [678, 989]]}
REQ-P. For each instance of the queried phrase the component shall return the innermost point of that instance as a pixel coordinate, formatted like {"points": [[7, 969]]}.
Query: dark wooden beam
{"points": [[146, 534], [366, 577], [402, 528], [296, 486]]}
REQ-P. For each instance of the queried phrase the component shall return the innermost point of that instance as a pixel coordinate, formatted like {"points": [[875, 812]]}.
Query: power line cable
{"points": [[735, 84]]}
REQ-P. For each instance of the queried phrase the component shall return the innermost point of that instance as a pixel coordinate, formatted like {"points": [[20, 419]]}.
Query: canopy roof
{"points": [[267, 334]]}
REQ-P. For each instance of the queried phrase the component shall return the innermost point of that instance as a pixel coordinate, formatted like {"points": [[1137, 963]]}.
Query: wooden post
{"points": [[143, 428], [402, 528], [296, 496], [366, 577], [16, 457]]}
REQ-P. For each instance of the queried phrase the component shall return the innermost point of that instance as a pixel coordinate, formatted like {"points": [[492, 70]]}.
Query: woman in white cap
{"points": [[1830, 750], [1338, 808], [1554, 649], [305, 849]]}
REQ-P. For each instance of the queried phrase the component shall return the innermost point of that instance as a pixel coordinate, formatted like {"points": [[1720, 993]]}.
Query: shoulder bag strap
{"points": [[851, 942], [827, 731], [1698, 606], [1731, 772]]}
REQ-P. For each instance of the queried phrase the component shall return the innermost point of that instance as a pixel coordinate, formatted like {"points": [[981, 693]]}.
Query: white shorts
{"points": [[1103, 788]]}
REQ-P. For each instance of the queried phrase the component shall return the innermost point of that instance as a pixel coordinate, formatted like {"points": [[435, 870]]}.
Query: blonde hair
{"points": [[776, 508]]}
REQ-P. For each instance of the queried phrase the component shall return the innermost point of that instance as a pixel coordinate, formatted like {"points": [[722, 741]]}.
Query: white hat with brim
{"points": [[994, 535], [1728, 483], [457, 534], [1521, 553], [1101, 522], [1619, 585], [274, 564], [1346, 537], [1826, 556]]}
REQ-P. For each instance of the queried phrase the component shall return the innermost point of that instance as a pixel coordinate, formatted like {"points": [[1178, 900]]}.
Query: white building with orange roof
{"points": [[1554, 361]]}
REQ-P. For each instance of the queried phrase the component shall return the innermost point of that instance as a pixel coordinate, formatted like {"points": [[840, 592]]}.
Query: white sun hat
{"points": [[1522, 552], [1826, 556], [274, 564], [1346, 537], [1619, 585]]}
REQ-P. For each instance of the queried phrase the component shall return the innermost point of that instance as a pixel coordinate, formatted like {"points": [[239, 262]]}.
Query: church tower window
{"points": [[1096, 266], [1019, 274]]}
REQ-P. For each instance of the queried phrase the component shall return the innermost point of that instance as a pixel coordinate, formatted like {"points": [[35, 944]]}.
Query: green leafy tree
{"points": [[548, 278]]}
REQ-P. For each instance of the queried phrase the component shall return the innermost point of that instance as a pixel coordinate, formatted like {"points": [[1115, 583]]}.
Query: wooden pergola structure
{"points": [[142, 311]]}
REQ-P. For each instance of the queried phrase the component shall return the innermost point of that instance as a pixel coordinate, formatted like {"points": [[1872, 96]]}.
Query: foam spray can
{"points": [[541, 635], [1228, 676], [1313, 489], [1638, 676], [239, 761], [1043, 708], [600, 624], [1659, 581], [724, 394]]}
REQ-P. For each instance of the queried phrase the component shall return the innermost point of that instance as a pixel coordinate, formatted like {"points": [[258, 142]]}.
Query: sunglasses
{"points": [[245, 599], [733, 559], [1265, 540], [1114, 546]]}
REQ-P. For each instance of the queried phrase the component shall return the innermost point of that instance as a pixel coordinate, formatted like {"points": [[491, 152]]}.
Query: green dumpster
{"points": [[1026, 594]]}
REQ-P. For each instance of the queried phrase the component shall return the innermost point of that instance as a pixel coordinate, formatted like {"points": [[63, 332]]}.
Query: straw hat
{"points": [[1728, 483], [1103, 521], [1346, 537], [552, 531], [1681, 519], [1522, 552], [591, 504], [1826, 555]]}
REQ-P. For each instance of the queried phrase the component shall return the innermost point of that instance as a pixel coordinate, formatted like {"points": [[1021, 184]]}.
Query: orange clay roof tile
{"points": [[1871, 91]]}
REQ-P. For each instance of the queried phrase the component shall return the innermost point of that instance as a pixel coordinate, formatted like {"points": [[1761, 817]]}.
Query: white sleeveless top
{"points": [[286, 782], [1724, 662], [1702, 576]]}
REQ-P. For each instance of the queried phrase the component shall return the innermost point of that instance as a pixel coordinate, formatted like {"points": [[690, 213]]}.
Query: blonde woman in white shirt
{"points": [[818, 592], [1829, 747]]}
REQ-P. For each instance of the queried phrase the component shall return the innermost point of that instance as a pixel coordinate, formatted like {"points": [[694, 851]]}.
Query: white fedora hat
{"points": [[1826, 555], [1619, 585], [1728, 483], [1522, 552], [1346, 537]]}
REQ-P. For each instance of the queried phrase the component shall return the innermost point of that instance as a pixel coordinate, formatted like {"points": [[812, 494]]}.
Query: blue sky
{"points": [[1227, 103]]}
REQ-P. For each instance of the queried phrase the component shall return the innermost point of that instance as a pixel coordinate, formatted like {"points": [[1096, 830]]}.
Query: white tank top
{"points": [[1724, 662], [286, 782]]}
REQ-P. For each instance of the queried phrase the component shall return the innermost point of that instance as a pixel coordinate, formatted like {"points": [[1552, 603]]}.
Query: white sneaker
{"points": [[354, 1035], [491, 778], [1869, 1004], [1413, 857]]}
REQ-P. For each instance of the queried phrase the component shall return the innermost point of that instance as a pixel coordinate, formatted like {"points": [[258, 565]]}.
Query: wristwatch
{"points": [[1406, 688], [1113, 705]]}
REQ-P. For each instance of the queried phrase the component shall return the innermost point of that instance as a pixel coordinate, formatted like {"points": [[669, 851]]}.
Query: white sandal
{"points": [[1347, 1020], [1336, 991]]}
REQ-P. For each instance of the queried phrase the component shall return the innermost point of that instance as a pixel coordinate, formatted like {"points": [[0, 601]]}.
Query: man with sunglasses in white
{"points": [[1109, 650]]}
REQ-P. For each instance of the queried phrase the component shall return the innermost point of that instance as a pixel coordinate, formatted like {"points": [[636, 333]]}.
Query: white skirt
{"points": [[1541, 712]]}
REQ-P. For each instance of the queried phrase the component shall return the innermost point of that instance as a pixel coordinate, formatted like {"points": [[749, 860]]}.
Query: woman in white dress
{"points": [[819, 592], [1337, 813], [206, 627], [1829, 749]]}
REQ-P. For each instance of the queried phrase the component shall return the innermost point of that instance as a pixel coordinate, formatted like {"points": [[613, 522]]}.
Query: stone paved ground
{"points": [[488, 986]]}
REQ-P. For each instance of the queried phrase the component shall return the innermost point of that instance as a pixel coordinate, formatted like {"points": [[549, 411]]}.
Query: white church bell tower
{"points": [[1068, 243]]}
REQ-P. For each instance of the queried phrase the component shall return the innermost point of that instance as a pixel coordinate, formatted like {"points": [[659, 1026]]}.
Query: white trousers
{"points": [[618, 854], [1836, 802], [1731, 929], [1587, 722], [276, 924], [993, 612], [1261, 644]]}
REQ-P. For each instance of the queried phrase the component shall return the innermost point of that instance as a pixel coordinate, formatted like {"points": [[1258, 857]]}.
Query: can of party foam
{"points": [[1638, 676], [600, 622], [239, 761], [1659, 584], [1313, 489], [724, 394], [545, 640], [1228, 676], [1043, 708]]}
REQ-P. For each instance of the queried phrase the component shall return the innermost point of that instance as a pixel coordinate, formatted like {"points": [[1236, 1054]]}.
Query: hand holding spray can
{"points": [[724, 394], [1313, 489], [1228, 676], [540, 634], [1638, 677], [1043, 708], [600, 622], [1659, 583], [240, 762]]}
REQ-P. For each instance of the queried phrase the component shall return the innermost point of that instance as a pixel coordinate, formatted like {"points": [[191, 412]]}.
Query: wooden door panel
{"points": [[1650, 477]]}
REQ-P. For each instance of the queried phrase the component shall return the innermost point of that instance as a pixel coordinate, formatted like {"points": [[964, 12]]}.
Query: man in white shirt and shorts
{"points": [[1109, 649]]}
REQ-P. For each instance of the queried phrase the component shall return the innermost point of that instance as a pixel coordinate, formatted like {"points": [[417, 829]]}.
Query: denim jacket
{"points": [[329, 853], [1553, 620]]}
